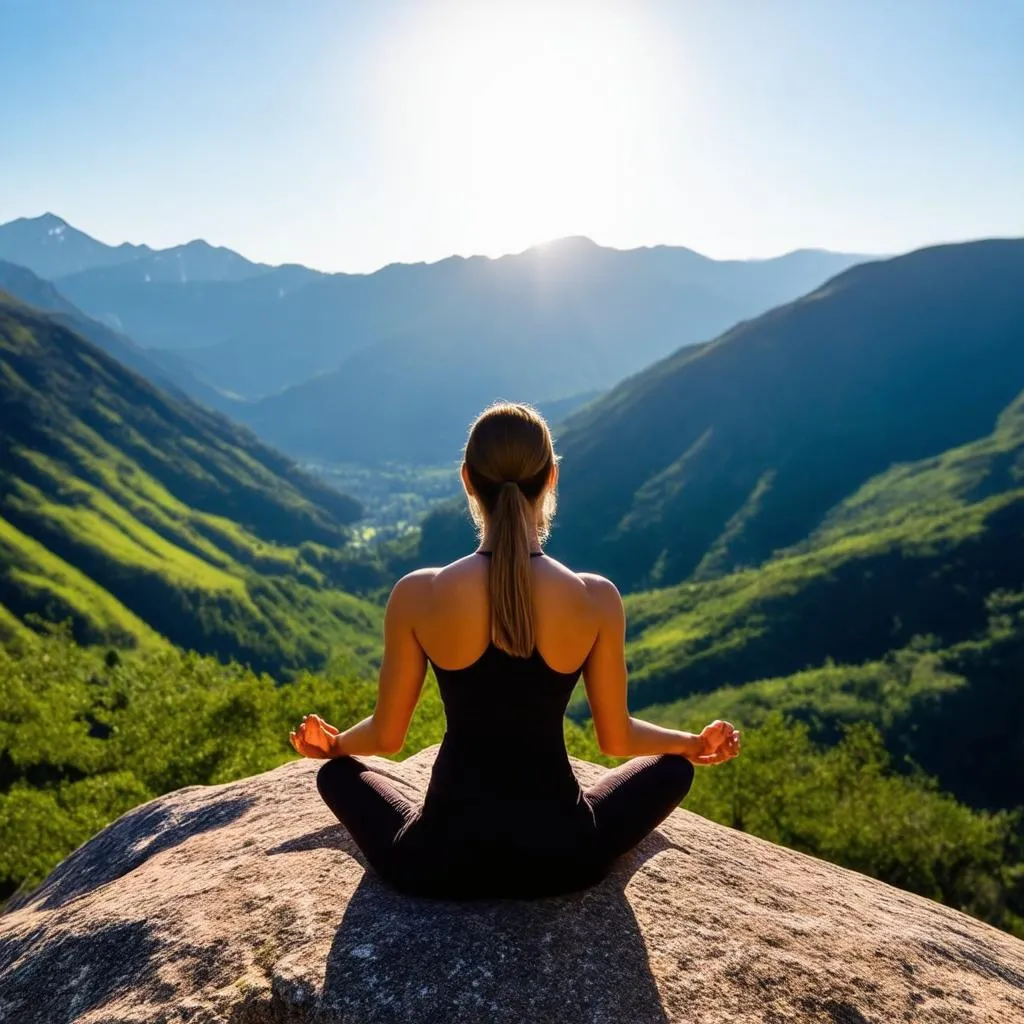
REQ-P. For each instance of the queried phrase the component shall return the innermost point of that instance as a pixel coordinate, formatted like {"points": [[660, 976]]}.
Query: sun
{"points": [[530, 115]]}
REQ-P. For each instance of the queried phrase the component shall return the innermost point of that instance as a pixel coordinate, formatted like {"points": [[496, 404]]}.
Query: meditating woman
{"points": [[508, 631]]}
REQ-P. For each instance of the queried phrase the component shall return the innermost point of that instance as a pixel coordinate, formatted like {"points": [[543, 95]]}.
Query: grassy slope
{"points": [[916, 550], [899, 610], [136, 514]]}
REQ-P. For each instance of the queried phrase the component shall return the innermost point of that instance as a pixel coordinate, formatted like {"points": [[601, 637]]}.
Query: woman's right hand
{"points": [[716, 743]]}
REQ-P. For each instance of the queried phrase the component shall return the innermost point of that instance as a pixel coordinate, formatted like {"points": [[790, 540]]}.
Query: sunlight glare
{"points": [[535, 113]]}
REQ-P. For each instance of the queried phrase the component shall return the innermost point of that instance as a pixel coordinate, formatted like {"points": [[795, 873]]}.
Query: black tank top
{"points": [[504, 738]]}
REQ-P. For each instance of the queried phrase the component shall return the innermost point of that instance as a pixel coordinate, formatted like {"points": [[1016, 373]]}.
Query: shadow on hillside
{"points": [[571, 959]]}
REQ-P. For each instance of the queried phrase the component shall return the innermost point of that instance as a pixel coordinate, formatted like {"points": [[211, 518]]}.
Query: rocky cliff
{"points": [[248, 903]]}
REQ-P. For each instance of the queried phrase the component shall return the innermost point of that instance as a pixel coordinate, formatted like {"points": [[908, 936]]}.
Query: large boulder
{"points": [[248, 902]]}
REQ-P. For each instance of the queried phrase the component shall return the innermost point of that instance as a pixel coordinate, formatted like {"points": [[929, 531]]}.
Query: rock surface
{"points": [[248, 902]]}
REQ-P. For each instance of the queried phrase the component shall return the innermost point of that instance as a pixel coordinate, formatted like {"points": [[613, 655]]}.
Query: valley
{"points": [[805, 477]]}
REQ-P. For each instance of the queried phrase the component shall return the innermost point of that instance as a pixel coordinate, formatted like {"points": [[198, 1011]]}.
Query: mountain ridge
{"points": [[888, 361], [23, 236], [163, 371], [528, 330], [267, 341]]}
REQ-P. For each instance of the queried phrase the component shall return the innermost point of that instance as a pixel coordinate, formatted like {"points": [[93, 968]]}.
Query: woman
{"points": [[508, 631]]}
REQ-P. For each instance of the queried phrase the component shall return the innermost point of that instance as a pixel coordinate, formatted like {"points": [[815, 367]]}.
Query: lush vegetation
{"points": [[942, 707], [87, 733], [134, 514]]}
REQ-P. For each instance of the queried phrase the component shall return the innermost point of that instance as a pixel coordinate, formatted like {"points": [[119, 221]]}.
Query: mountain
{"points": [[164, 370], [350, 365], [177, 316], [918, 550], [136, 513], [126, 286], [51, 247], [570, 295], [436, 344], [299, 323], [716, 457], [33, 290], [193, 261]]}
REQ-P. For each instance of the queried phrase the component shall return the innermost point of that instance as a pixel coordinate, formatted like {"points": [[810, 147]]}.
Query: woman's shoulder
{"points": [[592, 580], [412, 587], [474, 559]]}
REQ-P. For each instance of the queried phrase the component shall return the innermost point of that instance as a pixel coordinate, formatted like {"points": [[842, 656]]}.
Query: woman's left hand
{"points": [[314, 737]]}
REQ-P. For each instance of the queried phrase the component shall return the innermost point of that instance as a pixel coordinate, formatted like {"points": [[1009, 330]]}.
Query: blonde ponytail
{"points": [[509, 459], [511, 579]]}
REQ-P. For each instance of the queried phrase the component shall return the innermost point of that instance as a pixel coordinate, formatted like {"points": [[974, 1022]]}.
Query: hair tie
{"points": [[509, 483]]}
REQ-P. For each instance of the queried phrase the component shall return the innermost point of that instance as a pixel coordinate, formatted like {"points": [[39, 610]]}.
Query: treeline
{"points": [[88, 733]]}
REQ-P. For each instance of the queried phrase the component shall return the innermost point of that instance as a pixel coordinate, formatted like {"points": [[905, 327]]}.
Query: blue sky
{"points": [[348, 135]]}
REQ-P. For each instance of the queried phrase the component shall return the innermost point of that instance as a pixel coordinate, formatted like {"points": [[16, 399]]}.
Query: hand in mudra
{"points": [[313, 737], [716, 743]]}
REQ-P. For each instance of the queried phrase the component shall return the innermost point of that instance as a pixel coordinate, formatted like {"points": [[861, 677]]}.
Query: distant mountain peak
{"points": [[54, 249], [570, 243], [47, 220]]}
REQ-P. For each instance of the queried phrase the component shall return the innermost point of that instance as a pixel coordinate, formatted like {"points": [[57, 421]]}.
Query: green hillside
{"points": [[134, 513], [714, 459], [915, 550], [903, 609]]}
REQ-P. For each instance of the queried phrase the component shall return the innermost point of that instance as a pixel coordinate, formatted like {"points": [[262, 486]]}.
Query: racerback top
{"points": [[504, 738]]}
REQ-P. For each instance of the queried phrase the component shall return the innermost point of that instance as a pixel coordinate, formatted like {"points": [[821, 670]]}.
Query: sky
{"points": [[347, 135]]}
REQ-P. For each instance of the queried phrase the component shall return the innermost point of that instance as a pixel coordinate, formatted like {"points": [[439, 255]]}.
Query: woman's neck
{"points": [[487, 541]]}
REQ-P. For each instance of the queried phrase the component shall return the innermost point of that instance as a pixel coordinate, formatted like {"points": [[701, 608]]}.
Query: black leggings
{"points": [[517, 849]]}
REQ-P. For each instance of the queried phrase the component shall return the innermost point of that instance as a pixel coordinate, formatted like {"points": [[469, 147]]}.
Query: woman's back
{"points": [[454, 619], [495, 701]]}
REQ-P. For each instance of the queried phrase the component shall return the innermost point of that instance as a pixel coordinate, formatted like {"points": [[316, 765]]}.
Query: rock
{"points": [[248, 903]]}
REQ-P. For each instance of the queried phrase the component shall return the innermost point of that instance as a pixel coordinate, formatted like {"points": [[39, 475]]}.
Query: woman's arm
{"points": [[402, 671], [605, 678]]}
